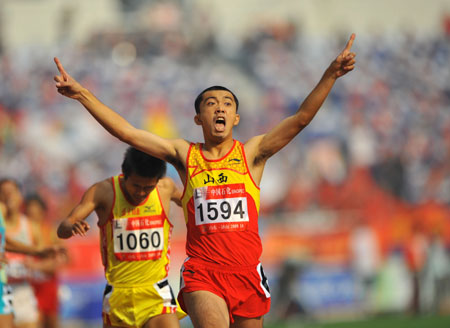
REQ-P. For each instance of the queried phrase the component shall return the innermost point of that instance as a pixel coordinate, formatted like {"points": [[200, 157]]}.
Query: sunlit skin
{"points": [[217, 116]]}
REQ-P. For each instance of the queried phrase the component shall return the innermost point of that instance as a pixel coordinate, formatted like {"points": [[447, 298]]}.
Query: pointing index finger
{"points": [[61, 69], [349, 44]]}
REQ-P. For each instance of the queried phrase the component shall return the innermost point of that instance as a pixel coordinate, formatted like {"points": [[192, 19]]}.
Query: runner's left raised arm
{"points": [[270, 143]]}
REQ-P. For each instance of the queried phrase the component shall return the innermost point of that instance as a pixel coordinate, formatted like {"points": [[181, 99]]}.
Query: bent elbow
{"points": [[62, 234], [303, 123]]}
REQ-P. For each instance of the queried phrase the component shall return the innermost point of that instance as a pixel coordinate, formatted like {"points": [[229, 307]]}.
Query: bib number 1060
{"points": [[131, 242], [233, 209]]}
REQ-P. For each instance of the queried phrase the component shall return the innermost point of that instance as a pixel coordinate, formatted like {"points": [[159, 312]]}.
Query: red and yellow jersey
{"points": [[221, 207], [135, 240]]}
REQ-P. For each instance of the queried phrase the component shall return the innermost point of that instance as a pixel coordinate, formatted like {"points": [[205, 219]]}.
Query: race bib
{"points": [[16, 271], [138, 239], [221, 208]]}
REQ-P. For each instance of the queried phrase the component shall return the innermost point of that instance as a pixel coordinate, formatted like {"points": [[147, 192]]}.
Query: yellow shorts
{"points": [[134, 306]]}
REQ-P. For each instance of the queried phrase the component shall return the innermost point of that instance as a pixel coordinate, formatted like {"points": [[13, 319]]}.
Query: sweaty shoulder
{"points": [[168, 191], [104, 192], [103, 199], [165, 184], [181, 147]]}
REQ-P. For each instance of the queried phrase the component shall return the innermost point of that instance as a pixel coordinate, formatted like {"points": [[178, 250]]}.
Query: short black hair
{"points": [[13, 181], [142, 164], [36, 198], [199, 98]]}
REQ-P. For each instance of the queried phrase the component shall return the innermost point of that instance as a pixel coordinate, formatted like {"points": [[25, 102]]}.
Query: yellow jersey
{"points": [[135, 240]]}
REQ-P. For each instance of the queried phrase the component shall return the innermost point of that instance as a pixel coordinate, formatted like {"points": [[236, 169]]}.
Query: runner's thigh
{"points": [[207, 309]]}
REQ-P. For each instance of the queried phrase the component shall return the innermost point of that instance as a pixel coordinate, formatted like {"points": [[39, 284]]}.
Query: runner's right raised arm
{"points": [[165, 149]]}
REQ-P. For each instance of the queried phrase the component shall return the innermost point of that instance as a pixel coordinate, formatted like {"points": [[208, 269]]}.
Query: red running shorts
{"points": [[244, 289]]}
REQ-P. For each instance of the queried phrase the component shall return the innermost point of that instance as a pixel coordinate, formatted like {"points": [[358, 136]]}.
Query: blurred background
{"points": [[355, 210]]}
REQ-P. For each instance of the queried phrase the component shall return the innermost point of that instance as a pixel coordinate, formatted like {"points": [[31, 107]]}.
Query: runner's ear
{"points": [[197, 120], [237, 119]]}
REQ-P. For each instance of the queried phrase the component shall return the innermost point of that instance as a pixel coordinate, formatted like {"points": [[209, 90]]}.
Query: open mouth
{"points": [[220, 124]]}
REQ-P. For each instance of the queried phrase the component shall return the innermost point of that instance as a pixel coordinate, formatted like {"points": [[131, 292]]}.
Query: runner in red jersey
{"points": [[221, 204], [216, 219]]}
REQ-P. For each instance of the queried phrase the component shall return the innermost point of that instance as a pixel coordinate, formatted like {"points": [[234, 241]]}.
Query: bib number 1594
{"points": [[222, 209]]}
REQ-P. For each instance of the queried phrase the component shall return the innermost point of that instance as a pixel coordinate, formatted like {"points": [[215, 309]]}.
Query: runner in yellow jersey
{"points": [[207, 199], [132, 210]]}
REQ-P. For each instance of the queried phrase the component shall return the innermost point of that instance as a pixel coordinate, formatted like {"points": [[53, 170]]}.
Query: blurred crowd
{"points": [[377, 155]]}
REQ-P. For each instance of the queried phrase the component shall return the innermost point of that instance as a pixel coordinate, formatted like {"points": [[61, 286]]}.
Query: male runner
{"points": [[223, 281], [135, 230]]}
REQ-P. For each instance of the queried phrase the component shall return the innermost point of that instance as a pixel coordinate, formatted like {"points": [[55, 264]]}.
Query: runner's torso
{"points": [[221, 207], [135, 240], [16, 270]]}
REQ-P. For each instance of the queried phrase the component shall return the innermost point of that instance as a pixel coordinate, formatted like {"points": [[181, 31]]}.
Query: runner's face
{"points": [[11, 196], [138, 188], [217, 114], [34, 210]]}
